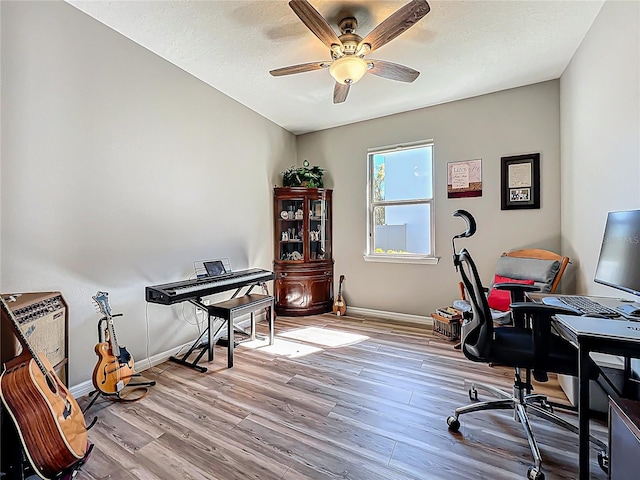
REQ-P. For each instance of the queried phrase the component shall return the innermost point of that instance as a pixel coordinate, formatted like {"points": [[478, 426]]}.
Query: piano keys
{"points": [[176, 292]]}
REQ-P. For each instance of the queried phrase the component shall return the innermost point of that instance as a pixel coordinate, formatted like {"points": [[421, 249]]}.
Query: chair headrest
{"points": [[471, 223]]}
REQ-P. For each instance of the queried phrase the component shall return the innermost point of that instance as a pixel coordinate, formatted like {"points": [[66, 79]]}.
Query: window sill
{"points": [[401, 259]]}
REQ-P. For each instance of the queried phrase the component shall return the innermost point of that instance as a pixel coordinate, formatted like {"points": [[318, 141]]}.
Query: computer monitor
{"points": [[619, 262]]}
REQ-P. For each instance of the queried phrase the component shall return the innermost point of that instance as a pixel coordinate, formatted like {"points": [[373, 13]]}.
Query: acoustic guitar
{"points": [[340, 306], [115, 364], [49, 422]]}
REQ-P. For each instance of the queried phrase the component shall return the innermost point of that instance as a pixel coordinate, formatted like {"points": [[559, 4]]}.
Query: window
{"points": [[400, 204]]}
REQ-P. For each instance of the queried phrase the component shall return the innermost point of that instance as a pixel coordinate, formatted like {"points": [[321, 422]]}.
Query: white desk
{"points": [[616, 304], [588, 334]]}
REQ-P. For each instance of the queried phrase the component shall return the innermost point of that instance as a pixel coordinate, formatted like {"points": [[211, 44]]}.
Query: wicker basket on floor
{"points": [[447, 328]]}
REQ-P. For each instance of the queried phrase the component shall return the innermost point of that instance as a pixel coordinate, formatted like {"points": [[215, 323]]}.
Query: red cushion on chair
{"points": [[501, 299]]}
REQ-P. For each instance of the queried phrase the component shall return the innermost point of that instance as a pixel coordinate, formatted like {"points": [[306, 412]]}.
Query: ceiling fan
{"points": [[347, 64]]}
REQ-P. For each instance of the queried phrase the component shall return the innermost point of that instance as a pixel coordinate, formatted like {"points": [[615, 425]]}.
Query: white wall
{"points": [[118, 171], [600, 112], [512, 122]]}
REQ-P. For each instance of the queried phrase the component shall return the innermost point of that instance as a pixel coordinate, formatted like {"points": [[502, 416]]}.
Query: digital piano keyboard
{"points": [[177, 292]]}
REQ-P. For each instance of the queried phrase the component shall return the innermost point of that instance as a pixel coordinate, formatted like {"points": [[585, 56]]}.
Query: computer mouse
{"points": [[596, 315]]}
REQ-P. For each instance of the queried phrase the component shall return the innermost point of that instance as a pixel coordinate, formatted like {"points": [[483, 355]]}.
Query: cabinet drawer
{"points": [[303, 293]]}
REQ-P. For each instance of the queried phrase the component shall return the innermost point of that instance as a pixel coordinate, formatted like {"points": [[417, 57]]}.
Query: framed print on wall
{"points": [[520, 181], [464, 179]]}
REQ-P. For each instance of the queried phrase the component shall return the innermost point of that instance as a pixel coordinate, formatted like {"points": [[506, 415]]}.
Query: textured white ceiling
{"points": [[461, 48]]}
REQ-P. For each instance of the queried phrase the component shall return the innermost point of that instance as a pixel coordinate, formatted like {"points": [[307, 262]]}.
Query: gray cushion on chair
{"points": [[542, 272]]}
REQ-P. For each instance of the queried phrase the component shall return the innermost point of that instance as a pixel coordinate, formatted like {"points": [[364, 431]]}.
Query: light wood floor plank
{"points": [[372, 409]]}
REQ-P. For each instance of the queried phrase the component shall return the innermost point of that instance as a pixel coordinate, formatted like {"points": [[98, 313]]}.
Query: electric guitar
{"points": [[49, 421], [115, 364], [340, 306]]}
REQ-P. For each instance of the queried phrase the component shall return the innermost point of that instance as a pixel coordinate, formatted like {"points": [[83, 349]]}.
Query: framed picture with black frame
{"points": [[520, 181]]}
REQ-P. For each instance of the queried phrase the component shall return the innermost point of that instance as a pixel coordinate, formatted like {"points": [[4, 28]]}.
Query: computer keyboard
{"points": [[588, 306]]}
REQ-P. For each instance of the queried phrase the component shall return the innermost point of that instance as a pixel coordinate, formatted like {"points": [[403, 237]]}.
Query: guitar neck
{"points": [[102, 301], [115, 349], [27, 351]]}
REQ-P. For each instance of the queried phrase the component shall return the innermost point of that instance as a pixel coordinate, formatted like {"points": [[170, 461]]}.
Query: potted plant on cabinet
{"points": [[305, 176]]}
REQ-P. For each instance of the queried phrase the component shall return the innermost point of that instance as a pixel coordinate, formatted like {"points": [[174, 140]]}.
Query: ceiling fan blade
{"points": [[340, 92], [303, 67], [315, 22], [396, 23], [393, 71]]}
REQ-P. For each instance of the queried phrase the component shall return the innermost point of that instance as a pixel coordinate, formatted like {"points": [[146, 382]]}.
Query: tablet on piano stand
{"points": [[212, 268]]}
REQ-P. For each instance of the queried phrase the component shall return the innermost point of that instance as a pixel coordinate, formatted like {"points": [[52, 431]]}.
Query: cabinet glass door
{"points": [[319, 230], [290, 229]]}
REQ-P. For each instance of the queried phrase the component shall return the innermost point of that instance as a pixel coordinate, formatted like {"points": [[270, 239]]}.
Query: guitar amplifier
{"points": [[43, 319]]}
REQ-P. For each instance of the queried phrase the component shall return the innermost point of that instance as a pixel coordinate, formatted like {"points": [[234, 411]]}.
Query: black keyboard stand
{"points": [[199, 344]]}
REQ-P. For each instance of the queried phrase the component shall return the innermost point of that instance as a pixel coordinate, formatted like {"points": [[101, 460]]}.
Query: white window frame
{"points": [[370, 255]]}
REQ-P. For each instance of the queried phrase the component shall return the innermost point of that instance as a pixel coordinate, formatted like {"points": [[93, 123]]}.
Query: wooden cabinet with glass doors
{"points": [[303, 262]]}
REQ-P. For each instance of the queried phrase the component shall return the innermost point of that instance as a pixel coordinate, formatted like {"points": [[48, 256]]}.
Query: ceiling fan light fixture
{"points": [[349, 69]]}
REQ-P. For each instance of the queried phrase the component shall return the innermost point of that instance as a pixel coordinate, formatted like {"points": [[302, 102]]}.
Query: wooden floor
{"points": [[334, 398]]}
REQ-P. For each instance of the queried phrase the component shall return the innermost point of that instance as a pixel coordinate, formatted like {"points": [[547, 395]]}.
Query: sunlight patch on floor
{"points": [[324, 336], [282, 347]]}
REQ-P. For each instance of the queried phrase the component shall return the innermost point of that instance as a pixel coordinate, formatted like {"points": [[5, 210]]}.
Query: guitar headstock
{"points": [[102, 301]]}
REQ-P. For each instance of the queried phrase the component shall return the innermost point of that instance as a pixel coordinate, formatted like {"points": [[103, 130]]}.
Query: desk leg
{"points": [[583, 411], [231, 342]]}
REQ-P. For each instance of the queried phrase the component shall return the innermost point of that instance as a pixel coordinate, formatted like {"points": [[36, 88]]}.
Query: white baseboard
{"points": [[83, 388], [86, 387], [382, 315]]}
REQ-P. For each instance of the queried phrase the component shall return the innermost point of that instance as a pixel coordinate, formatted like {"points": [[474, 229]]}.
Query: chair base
{"points": [[522, 404]]}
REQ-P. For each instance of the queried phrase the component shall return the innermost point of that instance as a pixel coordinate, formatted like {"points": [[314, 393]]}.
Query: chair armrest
{"points": [[516, 286], [540, 309], [536, 313], [517, 290], [539, 317]]}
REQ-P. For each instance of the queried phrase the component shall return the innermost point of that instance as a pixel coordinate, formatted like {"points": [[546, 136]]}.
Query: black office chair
{"points": [[528, 346]]}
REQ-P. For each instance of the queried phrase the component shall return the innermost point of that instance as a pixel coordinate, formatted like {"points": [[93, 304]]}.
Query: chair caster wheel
{"points": [[603, 461], [473, 394], [534, 473], [453, 423]]}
